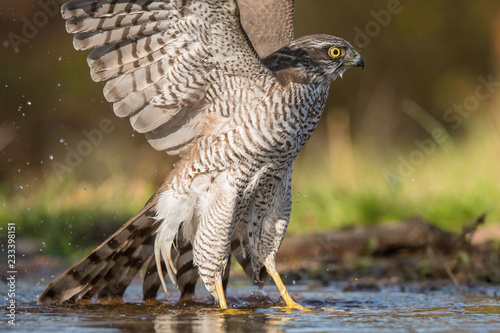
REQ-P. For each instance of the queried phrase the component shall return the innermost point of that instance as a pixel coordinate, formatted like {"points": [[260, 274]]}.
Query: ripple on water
{"points": [[332, 310]]}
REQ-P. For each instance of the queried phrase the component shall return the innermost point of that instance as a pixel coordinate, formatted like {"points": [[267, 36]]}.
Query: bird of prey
{"points": [[224, 85]]}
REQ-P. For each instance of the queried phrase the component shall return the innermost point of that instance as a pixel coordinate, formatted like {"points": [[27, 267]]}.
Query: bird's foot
{"points": [[290, 303]]}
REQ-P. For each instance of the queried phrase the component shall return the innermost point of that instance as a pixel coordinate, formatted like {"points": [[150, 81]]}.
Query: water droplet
{"points": [[293, 282], [60, 58], [69, 244], [61, 140], [296, 203], [28, 102], [21, 187], [51, 157], [84, 190]]}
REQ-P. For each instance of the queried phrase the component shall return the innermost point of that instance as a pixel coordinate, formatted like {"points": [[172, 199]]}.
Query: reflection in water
{"points": [[215, 321]]}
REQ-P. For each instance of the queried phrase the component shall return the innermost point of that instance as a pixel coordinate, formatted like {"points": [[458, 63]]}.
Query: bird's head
{"points": [[314, 58]]}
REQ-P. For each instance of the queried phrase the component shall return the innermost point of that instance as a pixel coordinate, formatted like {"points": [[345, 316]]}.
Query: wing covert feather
{"points": [[268, 23]]}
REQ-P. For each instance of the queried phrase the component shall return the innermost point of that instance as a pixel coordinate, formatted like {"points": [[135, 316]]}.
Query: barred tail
{"points": [[186, 274], [109, 269], [241, 252]]}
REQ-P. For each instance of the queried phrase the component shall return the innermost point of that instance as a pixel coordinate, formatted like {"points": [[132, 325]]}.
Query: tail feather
{"points": [[186, 273], [109, 269], [125, 268], [100, 277], [151, 283], [242, 254]]}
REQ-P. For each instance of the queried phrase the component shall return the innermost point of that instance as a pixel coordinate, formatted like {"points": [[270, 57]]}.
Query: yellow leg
{"points": [[223, 304], [220, 295], [290, 303]]}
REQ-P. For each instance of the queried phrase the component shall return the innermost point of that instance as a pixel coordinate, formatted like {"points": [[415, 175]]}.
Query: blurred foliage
{"points": [[427, 53], [449, 190]]}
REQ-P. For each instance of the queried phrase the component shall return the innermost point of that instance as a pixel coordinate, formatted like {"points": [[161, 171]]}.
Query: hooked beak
{"points": [[357, 60]]}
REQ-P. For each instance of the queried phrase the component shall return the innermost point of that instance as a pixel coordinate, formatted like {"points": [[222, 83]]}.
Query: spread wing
{"points": [[268, 23], [162, 58]]}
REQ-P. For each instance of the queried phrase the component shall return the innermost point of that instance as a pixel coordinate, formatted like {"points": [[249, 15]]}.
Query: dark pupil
{"points": [[335, 52]]}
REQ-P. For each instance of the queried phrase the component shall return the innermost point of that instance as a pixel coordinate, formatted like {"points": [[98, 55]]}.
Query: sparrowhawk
{"points": [[222, 84]]}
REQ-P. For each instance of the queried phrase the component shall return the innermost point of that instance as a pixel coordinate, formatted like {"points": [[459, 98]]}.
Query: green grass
{"points": [[71, 216], [447, 189], [334, 185]]}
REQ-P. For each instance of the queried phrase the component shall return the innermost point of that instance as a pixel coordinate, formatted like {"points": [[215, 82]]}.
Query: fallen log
{"points": [[399, 251], [382, 239]]}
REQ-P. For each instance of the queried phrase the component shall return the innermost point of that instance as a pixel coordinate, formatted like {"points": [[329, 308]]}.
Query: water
{"points": [[396, 308]]}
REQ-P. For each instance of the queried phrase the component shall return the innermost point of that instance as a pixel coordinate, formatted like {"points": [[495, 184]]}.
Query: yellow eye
{"points": [[335, 52]]}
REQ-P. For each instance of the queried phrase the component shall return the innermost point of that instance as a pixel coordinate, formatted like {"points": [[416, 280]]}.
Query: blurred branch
{"points": [[7, 134], [431, 125]]}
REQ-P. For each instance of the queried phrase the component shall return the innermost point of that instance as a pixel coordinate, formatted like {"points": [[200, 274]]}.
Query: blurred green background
{"points": [[415, 133]]}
